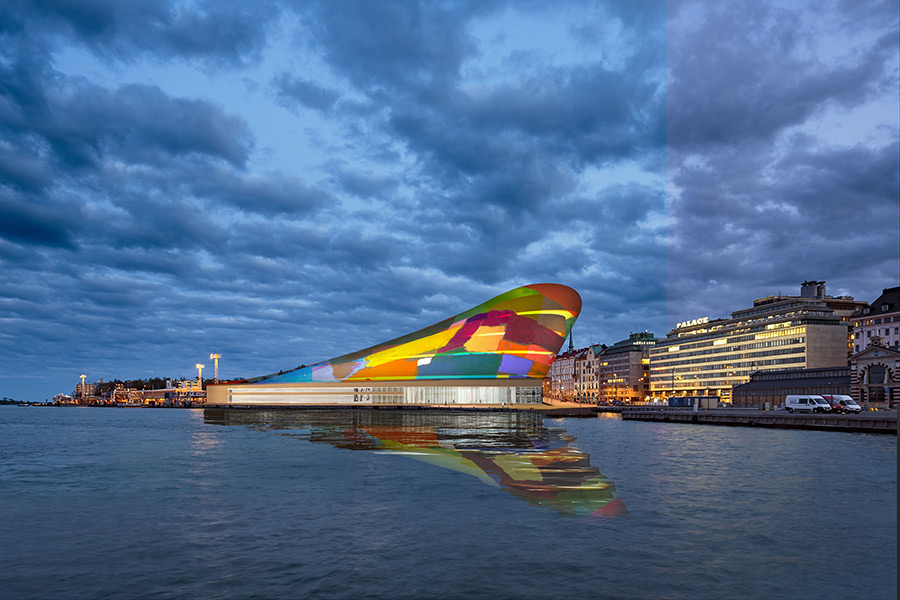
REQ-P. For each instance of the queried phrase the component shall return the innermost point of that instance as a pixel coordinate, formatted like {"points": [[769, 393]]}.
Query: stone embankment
{"points": [[866, 422]]}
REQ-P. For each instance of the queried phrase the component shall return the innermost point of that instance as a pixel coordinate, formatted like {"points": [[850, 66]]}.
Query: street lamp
{"points": [[615, 386], [216, 358], [199, 375], [82, 386]]}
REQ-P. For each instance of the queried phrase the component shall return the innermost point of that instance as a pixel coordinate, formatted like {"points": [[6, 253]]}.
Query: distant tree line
{"points": [[152, 383]]}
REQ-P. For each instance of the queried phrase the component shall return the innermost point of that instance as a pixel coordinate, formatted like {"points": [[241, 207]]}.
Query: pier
{"points": [[866, 422]]}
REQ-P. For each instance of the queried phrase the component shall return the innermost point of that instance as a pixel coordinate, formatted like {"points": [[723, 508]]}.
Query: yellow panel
{"points": [[414, 349], [485, 339]]}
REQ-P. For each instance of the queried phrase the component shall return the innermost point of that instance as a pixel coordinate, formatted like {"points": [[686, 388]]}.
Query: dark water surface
{"points": [[143, 503]]}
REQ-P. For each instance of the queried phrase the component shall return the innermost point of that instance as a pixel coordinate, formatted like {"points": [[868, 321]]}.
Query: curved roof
{"points": [[514, 335]]}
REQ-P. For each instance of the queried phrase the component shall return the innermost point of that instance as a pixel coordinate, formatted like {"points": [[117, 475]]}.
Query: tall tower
{"points": [[571, 343], [199, 375]]}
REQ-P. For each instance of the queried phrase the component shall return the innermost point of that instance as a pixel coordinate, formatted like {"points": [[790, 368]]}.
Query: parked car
{"points": [[806, 403], [842, 403]]}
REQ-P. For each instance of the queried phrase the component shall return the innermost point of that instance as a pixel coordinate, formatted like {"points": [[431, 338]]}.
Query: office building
{"points": [[624, 369], [704, 357]]}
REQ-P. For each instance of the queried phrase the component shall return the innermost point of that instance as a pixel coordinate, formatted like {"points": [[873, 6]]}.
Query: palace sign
{"points": [[699, 321]]}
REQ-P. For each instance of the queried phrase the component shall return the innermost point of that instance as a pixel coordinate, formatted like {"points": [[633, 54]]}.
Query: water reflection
{"points": [[512, 451]]}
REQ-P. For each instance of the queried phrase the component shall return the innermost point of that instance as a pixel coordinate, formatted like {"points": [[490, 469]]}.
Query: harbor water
{"points": [[156, 503]]}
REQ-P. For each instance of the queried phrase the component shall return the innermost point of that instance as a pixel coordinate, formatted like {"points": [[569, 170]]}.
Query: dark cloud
{"points": [[209, 30], [746, 72], [294, 90], [34, 225], [20, 172], [84, 124], [270, 194], [395, 45], [362, 184], [766, 194], [141, 124]]}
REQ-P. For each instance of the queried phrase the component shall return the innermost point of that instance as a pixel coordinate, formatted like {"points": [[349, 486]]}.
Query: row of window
{"points": [[714, 378], [722, 358], [722, 350], [880, 321], [741, 334], [878, 331]]}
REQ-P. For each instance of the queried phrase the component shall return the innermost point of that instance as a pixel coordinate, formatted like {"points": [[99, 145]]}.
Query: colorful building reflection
{"points": [[511, 451]]}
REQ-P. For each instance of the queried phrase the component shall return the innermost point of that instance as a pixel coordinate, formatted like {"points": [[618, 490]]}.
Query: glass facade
{"points": [[446, 395]]}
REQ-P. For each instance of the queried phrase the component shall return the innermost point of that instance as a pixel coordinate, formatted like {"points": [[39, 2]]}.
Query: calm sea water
{"points": [[142, 503]]}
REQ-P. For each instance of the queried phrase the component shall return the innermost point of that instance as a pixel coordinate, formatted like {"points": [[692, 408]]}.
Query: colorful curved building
{"points": [[495, 353]]}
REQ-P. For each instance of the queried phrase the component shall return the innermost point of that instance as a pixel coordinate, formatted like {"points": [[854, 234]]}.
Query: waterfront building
{"points": [[562, 375], [185, 392], [607, 373], [63, 399], [624, 369], [586, 373], [875, 375], [495, 353], [769, 388], [84, 391], [879, 320], [704, 357]]}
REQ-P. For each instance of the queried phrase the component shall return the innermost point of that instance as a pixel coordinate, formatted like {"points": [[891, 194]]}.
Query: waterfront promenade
{"points": [[865, 422]]}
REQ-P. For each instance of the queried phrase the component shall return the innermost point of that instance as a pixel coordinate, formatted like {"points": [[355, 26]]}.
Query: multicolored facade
{"points": [[487, 354]]}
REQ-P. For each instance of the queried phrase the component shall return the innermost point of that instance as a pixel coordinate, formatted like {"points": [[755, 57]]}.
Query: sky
{"points": [[283, 182]]}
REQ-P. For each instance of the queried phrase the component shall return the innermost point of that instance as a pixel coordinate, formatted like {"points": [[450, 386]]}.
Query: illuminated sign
{"points": [[699, 321]]}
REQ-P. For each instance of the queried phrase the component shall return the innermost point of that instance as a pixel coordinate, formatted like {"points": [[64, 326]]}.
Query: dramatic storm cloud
{"points": [[282, 182]]}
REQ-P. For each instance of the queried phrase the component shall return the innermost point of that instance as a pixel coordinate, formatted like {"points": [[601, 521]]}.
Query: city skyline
{"points": [[180, 179]]}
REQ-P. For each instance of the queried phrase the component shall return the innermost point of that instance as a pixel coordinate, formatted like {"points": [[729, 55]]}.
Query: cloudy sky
{"points": [[282, 182]]}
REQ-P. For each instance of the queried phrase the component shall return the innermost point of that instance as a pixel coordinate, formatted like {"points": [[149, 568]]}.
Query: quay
{"points": [[866, 422]]}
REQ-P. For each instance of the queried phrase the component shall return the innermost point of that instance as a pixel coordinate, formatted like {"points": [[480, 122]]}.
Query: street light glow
{"points": [[216, 358], [200, 375]]}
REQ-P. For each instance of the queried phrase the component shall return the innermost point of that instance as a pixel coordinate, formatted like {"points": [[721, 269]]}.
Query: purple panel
{"points": [[323, 373], [515, 365]]}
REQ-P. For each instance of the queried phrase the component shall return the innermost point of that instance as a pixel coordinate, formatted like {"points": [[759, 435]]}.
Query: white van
{"points": [[843, 403], [807, 403]]}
